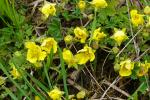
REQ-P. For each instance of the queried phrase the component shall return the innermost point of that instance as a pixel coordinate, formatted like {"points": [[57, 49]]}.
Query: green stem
{"points": [[131, 29], [93, 27]]}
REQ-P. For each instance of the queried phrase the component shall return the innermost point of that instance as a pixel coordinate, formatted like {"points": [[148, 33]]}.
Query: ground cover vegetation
{"points": [[74, 49]]}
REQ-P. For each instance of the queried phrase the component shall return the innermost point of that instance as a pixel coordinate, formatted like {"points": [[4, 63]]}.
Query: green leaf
{"points": [[37, 82], [18, 58], [54, 29], [142, 88]]}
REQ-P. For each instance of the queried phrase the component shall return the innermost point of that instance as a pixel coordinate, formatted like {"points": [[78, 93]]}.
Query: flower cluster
{"points": [[82, 57], [87, 53], [97, 32], [37, 53], [126, 67], [81, 35]]}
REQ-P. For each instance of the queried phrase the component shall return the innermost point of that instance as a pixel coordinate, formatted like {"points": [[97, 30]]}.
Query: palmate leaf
{"points": [[5, 36], [54, 29]]}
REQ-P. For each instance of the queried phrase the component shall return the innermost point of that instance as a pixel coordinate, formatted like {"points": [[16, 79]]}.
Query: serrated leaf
{"points": [[54, 29]]}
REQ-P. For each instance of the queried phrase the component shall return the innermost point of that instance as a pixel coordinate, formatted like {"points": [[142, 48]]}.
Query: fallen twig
{"points": [[116, 88], [116, 80]]}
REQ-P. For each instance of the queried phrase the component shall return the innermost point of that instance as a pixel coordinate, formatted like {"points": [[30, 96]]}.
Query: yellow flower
{"points": [[99, 4], [48, 9], [37, 98], [126, 67], [48, 44], [147, 10], [69, 58], [81, 34], [85, 55], [29, 44], [97, 35], [81, 95], [34, 52], [55, 94], [143, 69], [14, 72], [81, 5], [136, 19], [68, 39], [119, 36]]}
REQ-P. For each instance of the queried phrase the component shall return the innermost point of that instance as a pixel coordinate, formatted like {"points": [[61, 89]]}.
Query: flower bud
{"points": [[68, 39], [115, 50], [147, 10]]}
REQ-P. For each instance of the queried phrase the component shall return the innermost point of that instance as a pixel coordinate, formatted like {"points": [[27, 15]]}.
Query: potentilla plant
{"points": [[74, 37]]}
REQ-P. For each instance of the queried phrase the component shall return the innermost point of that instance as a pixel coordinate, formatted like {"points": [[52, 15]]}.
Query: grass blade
{"points": [[46, 67], [28, 83], [10, 93], [64, 73], [11, 79], [37, 82]]}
